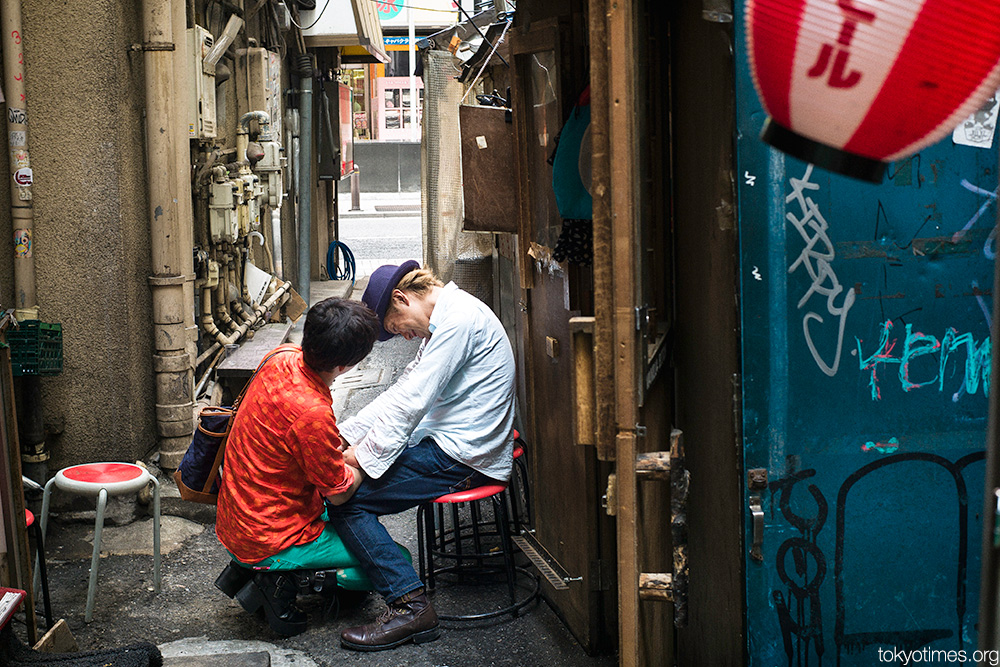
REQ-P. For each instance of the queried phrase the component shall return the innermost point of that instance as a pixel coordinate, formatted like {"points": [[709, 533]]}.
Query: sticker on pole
{"points": [[22, 243], [23, 177]]}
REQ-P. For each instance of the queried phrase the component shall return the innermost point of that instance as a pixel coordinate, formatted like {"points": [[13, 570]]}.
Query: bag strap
{"points": [[220, 455], [287, 347]]}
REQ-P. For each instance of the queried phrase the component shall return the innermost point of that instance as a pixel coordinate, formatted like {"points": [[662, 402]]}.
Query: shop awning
{"points": [[352, 25]]}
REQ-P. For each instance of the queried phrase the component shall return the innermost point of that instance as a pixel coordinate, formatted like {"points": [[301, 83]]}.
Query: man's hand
{"points": [[344, 496], [349, 457]]}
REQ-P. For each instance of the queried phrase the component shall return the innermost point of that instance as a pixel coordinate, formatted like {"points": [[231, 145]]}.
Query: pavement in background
{"points": [[189, 617], [386, 230]]}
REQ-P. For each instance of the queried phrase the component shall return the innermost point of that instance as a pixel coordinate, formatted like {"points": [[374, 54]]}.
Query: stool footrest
{"points": [[509, 609]]}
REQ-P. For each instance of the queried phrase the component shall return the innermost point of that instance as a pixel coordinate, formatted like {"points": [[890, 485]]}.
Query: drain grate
{"points": [[361, 379]]}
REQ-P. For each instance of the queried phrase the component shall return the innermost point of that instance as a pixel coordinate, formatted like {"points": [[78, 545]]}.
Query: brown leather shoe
{"points": [[410, 618]]}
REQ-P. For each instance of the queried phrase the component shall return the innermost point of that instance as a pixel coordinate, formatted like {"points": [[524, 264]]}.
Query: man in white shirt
{"points": [[444, 426]]}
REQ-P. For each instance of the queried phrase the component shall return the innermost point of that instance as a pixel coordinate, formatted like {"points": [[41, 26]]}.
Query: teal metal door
{"points": [[866, 363]]}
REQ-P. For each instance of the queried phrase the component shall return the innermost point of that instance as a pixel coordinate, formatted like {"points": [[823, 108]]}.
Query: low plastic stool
{"points": [[103, 480], [475, 530], [35, 529]]}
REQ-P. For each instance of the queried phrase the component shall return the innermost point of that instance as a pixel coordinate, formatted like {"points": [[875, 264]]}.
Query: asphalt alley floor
{"points": [[189, 619]]}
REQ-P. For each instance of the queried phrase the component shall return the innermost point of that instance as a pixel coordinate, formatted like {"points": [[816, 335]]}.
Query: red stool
{"points": [[464, 562], [102, 480], [34, 529], [519, 491]]}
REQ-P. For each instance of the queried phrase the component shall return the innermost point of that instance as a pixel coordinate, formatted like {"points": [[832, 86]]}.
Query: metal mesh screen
{"points": [[464, 257]]}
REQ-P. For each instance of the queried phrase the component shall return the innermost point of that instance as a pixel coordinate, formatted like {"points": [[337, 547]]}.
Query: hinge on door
{"points": [[610, 498], [669, 586], [641, 317]]}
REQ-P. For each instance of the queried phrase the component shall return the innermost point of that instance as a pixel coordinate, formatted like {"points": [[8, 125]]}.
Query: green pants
{"points": [[325, 552]]}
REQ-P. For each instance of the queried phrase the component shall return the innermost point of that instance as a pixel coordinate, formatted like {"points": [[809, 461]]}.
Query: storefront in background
{"points": [[380, 93]]}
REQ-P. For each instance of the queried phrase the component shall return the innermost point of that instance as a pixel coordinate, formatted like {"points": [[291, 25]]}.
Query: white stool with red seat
{"points": [[103, 480]]}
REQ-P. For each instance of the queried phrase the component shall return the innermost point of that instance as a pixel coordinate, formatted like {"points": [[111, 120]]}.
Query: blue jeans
{"points": [[420, 474]]}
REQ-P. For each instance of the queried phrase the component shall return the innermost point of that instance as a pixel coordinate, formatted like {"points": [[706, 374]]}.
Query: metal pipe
{"points": [[22, 213], [276, 263], [31, 431], [181, 239], [170, 242], [306, 174], [262, 312]]}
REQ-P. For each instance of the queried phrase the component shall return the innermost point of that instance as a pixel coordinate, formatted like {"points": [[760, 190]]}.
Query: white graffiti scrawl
{"points": [[817, 258]]}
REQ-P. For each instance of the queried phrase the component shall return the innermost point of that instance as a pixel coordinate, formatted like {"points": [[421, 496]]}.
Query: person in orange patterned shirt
{"points": [[282, 459]]}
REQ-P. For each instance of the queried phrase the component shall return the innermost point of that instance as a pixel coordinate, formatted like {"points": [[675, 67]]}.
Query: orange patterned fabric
{"points": [[281, 459]]}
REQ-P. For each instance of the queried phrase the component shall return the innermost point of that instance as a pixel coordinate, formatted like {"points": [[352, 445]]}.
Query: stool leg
{"points": [[440, 526], [456, 526], [156, 533], [476, 538], [429, 541], [421, 531], [40, 556], [43, 524], [525, 487], [102, 501], [503, 528]]}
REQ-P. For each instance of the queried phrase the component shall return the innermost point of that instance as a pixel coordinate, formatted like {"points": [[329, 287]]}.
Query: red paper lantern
{"points": [[850, 85]]}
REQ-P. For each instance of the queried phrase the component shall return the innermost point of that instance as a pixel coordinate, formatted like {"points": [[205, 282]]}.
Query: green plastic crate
{"points": [[36, 348]]}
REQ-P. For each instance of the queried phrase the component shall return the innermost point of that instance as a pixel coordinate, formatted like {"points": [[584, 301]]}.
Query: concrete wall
{"points": [[91, 241], [386, 166]]}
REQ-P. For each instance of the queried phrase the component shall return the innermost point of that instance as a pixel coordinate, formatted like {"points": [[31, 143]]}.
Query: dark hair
{"points": [[338, 332]]}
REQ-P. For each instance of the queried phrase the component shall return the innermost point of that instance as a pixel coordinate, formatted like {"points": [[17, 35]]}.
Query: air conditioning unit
{"points": [[201, 116]]}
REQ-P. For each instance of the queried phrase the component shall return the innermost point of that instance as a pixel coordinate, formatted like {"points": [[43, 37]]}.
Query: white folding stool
{"points": [[103, 480]]}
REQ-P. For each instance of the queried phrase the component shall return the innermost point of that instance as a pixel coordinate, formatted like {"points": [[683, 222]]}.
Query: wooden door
{"points": [[633, 323], [567, 479]]}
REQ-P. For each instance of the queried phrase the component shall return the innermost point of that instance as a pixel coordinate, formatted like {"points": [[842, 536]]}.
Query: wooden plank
{"points": [[244, 361], [12, 497], [628, 552], [582, 330], [623, 153], [656, 586], [525, 229], [601, 193], [653, 466], [543, 36], [58, 639]]}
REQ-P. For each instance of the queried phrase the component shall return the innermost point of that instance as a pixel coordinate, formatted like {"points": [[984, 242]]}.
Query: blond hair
{"points": [[419, 282]]}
